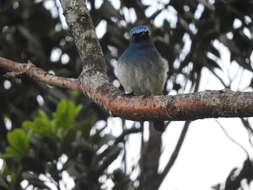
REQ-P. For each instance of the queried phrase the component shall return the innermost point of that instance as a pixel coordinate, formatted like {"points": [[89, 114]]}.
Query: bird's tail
{"points": [[158, 125]]}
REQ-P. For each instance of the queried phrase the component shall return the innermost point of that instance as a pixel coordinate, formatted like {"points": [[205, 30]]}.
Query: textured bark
{"points": [[149, 176], [95, 83], [199, 105], [38, 74]]}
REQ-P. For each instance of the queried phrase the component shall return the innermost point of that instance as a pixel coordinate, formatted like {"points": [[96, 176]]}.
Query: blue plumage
{"points": [[140, 69], [139, 29]]}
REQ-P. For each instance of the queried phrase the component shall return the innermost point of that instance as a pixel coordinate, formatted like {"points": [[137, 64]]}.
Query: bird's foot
{"points": [[129, 94]]}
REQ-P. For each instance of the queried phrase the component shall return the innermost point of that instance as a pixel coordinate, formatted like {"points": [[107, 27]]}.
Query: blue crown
{"points": [[139, 29]]}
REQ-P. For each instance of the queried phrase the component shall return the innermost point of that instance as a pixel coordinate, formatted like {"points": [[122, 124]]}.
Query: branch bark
{"points": [[207, 104], [149, 161], [38, 74], [94, 82]]}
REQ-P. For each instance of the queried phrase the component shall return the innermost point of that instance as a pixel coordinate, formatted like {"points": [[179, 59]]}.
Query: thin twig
{"points": [[176, 150], [123, 123], [142, 151], [125, 133], [231, 139], [219, 78], [249, 129], [112, 155], [118, 140]]}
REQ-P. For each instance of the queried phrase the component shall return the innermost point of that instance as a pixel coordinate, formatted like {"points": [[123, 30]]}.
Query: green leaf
{"points": [[18, 142], [11, 153], [41, 125], [5, 170], [63, 119], [13, 178], [65, 115], [7, 155], [74, 93]]}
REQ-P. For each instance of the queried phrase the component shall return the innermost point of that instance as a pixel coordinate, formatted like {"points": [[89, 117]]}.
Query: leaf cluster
{"points": [[51, 146]]}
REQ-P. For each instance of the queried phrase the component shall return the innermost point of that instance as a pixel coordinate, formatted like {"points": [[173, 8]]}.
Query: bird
{"points": [[141, 70]]}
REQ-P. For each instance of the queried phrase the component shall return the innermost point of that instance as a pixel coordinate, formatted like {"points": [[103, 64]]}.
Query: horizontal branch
{"points": [[94, 82], [38, 74], [206, 104]]}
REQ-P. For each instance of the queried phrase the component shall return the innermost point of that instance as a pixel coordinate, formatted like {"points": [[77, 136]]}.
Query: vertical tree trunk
{"points": [[149, 177]]}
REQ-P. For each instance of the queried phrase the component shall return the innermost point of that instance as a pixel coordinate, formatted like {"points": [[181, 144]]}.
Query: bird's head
{"points": [[140, 33]]}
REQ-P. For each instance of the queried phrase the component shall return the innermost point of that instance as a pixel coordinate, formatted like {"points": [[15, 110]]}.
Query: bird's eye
{"points": [[141, 34]]}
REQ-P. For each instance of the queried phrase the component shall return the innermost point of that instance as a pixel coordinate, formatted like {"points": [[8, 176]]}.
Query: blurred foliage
{"points": [[18, 145], [63, 119], [51, 146], [187, 34]]}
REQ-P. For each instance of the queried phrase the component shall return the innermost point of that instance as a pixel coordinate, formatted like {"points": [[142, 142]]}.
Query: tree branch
{"points": [[149, 161], [207, 104], [38, 74], [95, 83]]}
